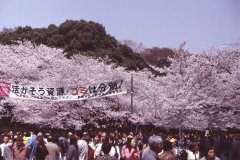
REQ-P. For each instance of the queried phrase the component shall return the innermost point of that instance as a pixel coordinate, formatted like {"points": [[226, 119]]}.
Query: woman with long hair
{"points": [[131, 151], [72, 153], [114, 149]]}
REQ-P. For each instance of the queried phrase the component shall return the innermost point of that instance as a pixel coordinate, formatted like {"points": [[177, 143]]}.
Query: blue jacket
{"points": [[33, 145]]}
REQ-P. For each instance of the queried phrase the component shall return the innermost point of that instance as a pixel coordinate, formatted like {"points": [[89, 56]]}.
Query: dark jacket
{"points": [[235, 151]]}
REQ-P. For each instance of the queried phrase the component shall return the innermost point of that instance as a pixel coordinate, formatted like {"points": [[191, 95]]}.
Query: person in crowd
{"points": [[140, 147], [226, 142], [119, 143], [131, 151], [32, 144], [63, 145], [1, 137], [20, 151], [226, 146], [106, 147], [235, 149], [26, 137], [167, 153], [193, 151], [183, 155], [1, 157], [155, 146], [115, 149], [41, 150], [72, 151], [175, 148], [92, 145], [8, 152], [52, 149], [145, 147], [210, 154], [216, 145], [4, 144], [10, 135], [98, 150], [86, 137], [126, 139], [82, 146]]}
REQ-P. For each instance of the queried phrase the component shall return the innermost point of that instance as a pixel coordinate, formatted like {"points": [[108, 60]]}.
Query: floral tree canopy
{"points": [[198, 91]]}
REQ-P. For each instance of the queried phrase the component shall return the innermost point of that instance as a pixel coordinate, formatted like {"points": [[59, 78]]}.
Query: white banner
{"points": [[63, 93]]}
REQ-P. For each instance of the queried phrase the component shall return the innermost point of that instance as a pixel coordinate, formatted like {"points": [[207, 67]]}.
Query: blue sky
{"points": [[155, 23]]}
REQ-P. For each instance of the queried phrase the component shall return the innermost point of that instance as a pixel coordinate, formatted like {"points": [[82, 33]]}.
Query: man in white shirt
{"points": [[4, 144]]}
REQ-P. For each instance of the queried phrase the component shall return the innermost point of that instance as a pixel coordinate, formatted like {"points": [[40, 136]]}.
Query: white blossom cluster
{"points": [[198, 92]]}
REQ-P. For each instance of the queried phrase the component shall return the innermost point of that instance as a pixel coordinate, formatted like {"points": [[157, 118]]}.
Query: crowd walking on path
{"points": [[102, 145]]}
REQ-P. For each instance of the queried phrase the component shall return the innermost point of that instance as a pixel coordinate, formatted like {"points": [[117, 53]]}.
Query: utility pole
{"points": [[131, 100], [131, 93]]}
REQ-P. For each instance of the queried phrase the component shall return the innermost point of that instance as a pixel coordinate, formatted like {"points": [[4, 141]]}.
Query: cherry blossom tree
{"points": [[203, 90], [198, 91]]}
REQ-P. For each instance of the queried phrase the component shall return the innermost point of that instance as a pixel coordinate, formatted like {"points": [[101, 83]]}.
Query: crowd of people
{"points": [[101, 145]]}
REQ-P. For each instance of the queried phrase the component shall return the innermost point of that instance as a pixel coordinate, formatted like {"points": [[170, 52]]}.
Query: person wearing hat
{"points": [[20, 150], [175, 148]]}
